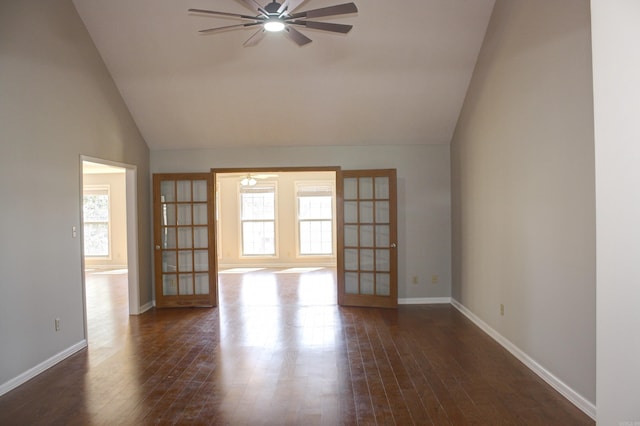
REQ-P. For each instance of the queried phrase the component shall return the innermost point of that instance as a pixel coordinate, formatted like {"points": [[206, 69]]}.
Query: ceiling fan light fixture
{"points": [[248, 181], [274, 25]]}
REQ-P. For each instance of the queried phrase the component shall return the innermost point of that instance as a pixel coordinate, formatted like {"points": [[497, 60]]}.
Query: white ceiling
{"points": [[399, 77]]}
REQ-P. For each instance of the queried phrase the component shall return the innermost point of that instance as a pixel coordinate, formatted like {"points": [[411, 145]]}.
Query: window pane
{"points": [[351, 212], [167, 191], [382, 187], [199, 214], [383, 285], [168, 238], [168, 215], [316, 237], [184, 238], [169, 285], [314, 208], [202, 260], [186, 284], [258, 238], [169, 262], [96, 239], [202, 283], [258, 206], [258, 219], [184, 214], [351, 259], [366, 212], [185, 261], [351, 283], [96, 207], [383, 260], [382, 212], [200, 237], [199, 190], [366, 236], [350, 189], [366, 260], [366, 283], [184, 190]]}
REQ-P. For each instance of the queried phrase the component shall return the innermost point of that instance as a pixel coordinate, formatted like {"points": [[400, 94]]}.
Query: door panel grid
{"points": [[183, 248], [368, 266]]}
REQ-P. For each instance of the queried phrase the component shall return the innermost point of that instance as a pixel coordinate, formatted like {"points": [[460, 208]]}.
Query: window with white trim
{"points": [[96, 220], [258, 224], [315, 218]]}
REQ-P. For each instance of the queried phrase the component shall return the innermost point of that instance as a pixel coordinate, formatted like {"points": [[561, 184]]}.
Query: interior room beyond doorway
{"points": [[275, 227]]}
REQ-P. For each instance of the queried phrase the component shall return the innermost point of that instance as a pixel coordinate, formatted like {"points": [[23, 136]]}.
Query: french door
{"points": [[184, 241], [367, 255]]}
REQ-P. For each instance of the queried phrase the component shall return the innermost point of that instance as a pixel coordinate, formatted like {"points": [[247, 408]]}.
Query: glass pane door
{"points": [[183, 240], [367, 260]]}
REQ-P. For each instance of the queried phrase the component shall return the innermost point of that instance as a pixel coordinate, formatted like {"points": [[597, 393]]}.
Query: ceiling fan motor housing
{"points": [[272, 8]]}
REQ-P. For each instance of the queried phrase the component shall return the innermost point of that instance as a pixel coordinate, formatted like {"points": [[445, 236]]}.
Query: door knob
{"points": [[157, 247], [394, 245]]}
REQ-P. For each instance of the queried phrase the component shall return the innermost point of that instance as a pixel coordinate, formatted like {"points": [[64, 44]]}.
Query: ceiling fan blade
{"points": [[213, 12], [228, 27], [340, 9], [295, 35], [251, 5], [324, 26], [290, 5], [255, 38]]}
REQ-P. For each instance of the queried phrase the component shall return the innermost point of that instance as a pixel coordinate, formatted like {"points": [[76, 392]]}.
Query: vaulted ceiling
{"points": [[399, 77]]}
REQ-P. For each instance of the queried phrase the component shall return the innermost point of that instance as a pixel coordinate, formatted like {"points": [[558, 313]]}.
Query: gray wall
{"points": [[57, 102], [523, 194], [616, 67], [424, 230]]}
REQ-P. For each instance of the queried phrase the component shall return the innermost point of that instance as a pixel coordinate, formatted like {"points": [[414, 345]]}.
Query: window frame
{"points": [[264, 185], [103, 189], [298, 188]]}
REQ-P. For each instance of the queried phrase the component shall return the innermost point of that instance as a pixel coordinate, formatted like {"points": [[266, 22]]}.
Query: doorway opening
{"points": [[275, 230], [109, 245]]}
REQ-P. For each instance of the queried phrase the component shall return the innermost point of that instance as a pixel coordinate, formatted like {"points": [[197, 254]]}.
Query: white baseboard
{"points": [[424, 300], [102, 267], [144, 308], [33, 372], [574, 397]]}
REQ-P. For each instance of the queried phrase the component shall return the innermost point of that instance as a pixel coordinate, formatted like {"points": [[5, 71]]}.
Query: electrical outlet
{"points": [[57, 324], [414, 279], [435, 279], [501, 309]]}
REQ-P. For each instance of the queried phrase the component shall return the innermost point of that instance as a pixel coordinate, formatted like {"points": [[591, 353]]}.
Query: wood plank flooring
{"points": [[278, 351]]}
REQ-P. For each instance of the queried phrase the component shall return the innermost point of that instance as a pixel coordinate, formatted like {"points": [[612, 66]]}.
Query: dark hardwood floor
{"points": [[279, 351]]}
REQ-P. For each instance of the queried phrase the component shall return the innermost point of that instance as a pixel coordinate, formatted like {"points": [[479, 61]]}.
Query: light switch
{"points": [[74, 232]]}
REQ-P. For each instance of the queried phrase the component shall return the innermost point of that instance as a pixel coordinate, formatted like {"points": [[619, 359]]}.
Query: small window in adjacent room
{"points": [[315, 219], [258, 212], [95, 207]]}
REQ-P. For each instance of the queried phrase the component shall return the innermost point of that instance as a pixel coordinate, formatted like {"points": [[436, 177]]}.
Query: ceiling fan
{"points": [[280, 17]]}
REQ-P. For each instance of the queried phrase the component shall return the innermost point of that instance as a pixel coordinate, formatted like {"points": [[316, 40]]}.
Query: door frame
{"points": [[257, 170], [131, 200]]}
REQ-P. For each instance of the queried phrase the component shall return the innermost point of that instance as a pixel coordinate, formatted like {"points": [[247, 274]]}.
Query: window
{"points": [[95, 207], [258, 214], [315, 219]]}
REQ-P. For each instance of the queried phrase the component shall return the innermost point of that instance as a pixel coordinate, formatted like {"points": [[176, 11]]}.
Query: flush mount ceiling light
{"points": [[279, 17]]}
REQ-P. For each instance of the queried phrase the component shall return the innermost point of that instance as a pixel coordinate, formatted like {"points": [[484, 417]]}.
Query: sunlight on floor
{"points": [[297, 270]]}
